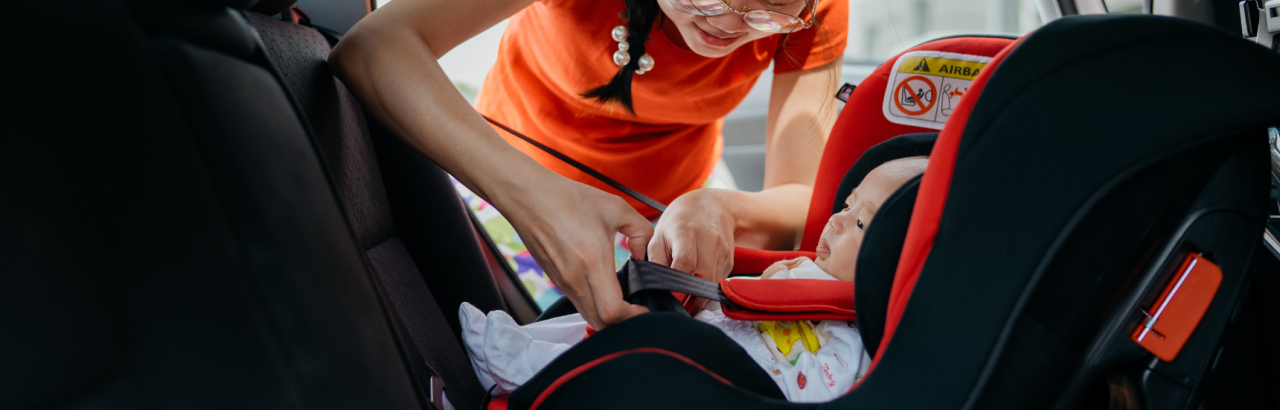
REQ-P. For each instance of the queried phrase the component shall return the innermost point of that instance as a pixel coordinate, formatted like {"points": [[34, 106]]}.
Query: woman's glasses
{"points": [[768, 21]]}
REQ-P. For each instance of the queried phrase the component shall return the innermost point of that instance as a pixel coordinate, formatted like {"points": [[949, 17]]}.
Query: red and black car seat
{"points": [[861, 125], [1059, 209]]}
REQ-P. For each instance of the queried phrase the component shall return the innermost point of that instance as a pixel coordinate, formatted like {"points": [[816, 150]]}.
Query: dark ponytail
{"points": [[640, 16]]}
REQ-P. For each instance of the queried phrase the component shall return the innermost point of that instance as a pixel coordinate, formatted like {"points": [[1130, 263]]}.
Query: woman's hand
{"points": [[389, 60], [569, 229], [696, 234], [700, 228]]}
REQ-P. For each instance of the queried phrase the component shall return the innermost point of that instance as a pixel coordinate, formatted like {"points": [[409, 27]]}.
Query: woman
{"points": [[642, 103]]}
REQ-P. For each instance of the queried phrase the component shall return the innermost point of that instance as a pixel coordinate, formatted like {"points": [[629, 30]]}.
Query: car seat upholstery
{"points": [[178, 243], [1049, 210], [430, 222], [861, 125], [430, 245], [228, 267]]}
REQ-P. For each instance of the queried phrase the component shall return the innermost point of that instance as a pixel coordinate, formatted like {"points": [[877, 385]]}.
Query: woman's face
{"points": [[716, 36]]}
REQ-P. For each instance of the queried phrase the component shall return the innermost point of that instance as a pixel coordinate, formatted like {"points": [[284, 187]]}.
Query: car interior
{"points": [[195, 213]]}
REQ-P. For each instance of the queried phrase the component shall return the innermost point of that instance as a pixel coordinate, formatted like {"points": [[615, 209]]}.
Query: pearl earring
{"points": [[622, 57]]}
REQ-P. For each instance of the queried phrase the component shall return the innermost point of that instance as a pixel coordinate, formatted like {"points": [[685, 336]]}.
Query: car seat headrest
{"points": [[866, 118], [878, 261], [209, 24], [902, 146], [235, 4], [272, 7]]}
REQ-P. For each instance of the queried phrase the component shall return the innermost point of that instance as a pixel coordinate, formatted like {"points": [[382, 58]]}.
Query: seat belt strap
{"points": [[637, 275], [584, 168]]}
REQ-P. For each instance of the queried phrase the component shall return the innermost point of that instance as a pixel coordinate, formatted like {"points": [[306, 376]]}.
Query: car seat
{"points": [[1053, 213], [196, 228], [861, 125]]}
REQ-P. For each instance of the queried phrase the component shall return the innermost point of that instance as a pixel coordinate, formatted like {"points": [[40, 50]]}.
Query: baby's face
{"points": [[842, 237]]}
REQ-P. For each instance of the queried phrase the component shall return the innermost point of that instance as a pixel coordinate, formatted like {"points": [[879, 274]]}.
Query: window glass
{"points": [[879, 29], [1123, 6]]}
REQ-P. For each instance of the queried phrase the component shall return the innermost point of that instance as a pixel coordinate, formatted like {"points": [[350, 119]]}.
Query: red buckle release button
{"points": [[1178, 310]]}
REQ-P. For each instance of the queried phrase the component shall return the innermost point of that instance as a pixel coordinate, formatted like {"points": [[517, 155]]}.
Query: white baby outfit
{"points": [[508, 355]]}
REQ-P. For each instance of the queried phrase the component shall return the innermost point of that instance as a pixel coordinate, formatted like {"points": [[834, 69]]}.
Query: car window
{"points": [[1123, 6], [878, 29]]}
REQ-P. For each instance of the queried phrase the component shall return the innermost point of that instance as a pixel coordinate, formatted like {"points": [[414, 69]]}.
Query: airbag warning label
{"points": [[926, 86]]}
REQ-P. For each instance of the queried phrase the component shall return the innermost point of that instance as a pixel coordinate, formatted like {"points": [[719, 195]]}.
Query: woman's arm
{"points": [[389, 61], [700, 229]]}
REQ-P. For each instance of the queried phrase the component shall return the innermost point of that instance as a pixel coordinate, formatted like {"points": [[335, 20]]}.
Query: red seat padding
{"points": [[861, 125], [788, 299]]}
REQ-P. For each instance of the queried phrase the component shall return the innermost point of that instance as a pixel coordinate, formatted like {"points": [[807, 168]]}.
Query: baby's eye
{"points": [[861, 225], [846, 208]]}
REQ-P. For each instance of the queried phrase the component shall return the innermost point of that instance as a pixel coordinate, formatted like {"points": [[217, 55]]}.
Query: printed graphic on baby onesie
{"points": [[800, 380], [826, 371], [843, 363], [788, 335], [926, 86]]}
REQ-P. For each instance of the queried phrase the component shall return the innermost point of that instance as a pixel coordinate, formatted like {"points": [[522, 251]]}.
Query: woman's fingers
{"points": [[610, 306], [638, 232], [684, 252], [659, 251], [696, 235], [569, 228]]}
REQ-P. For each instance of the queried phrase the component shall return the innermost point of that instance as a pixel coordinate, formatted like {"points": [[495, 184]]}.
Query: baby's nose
{"points": [[837, 223]]}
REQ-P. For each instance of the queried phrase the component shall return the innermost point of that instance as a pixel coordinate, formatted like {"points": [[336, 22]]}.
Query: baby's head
{"points": [[842, 237]]}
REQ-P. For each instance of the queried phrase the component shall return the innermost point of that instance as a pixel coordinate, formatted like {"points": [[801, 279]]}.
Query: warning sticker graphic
{"points": [[925, 86]]}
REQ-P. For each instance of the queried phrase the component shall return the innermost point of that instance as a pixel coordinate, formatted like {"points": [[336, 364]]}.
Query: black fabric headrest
{"points": [[878, 262], [272, 7], [205, 23], [882, 245], [902, 146]]}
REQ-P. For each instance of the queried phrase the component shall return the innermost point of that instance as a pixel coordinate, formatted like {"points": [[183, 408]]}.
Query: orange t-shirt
{"points": [[554, 50]]}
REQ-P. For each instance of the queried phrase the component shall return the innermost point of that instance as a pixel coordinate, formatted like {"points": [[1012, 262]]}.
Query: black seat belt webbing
{"points": [[582, 167], [638, 275]]}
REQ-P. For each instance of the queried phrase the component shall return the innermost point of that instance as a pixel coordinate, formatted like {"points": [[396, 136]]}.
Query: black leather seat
{"points": [[184, 240]]}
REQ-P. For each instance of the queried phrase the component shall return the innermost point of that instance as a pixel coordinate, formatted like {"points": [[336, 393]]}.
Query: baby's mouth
{"points": [[822, 249]]}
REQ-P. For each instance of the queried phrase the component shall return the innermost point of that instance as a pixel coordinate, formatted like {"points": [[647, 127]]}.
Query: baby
{"points": [[811, 361]]}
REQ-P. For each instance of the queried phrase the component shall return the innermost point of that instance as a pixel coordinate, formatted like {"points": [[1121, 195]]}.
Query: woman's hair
{"points": [[640, 16]]}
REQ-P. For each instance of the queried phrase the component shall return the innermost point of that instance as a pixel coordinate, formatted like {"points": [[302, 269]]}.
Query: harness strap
{"points": [[582, 167], [637, 276]]}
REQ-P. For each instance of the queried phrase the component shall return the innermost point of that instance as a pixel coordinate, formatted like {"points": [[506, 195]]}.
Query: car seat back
{"points": [[430, 245], [431, 224], [1024, 263], [215, 266]]}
